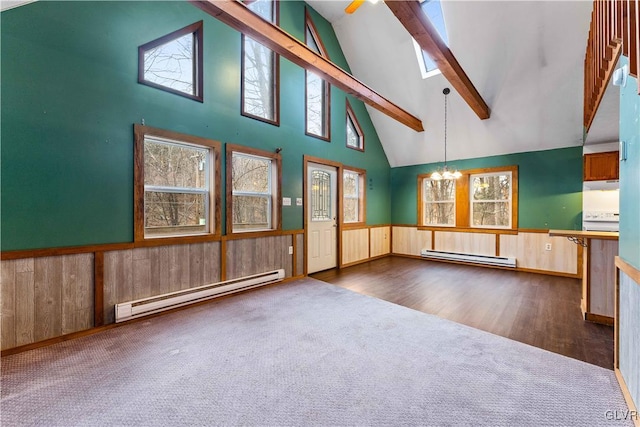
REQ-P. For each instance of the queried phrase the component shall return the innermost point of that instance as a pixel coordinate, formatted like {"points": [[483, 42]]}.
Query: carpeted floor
{"points": [[303, 353]]}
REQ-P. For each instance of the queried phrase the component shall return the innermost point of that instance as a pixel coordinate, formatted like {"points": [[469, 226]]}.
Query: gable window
{"points": [[355, 136], [491, 200], [317, 90], [260, 71], [439, 202], [353, 195], [253, 190], [480, 198], [176, 180], [173, 62]]}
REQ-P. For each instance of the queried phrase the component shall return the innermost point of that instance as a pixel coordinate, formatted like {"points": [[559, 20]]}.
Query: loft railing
{"points": [[613, 31]]}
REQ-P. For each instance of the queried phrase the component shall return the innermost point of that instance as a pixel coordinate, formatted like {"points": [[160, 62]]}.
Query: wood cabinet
{"points": [[601, 166]]}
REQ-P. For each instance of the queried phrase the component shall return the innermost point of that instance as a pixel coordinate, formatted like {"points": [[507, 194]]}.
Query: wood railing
{"points": [[613, 31]]}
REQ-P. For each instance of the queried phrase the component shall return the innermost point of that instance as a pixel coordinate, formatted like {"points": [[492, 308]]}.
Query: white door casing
{"points": [[322, 220]]}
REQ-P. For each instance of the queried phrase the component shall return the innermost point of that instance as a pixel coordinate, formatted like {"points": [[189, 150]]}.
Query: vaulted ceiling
{"points": [[525, 58]]}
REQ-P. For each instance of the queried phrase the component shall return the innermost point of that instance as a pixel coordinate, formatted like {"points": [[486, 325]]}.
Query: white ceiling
{"points": [[525, 58]]}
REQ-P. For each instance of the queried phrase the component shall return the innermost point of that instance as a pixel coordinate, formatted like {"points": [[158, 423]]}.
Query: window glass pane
{"points": [[251, 174], [174, 213], [439, 213], [351, 213], [320, 196], [311, 42], [173, 165], [492, 187], [350, 184], [437, 191], [491, 213], [315, 104], [172, 64], [251, 212], [353, 138], [258, 75], [433, 9], [263, 8]]}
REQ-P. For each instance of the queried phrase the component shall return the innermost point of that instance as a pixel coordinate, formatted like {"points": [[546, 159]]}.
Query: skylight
{"points": [[433, 9]]}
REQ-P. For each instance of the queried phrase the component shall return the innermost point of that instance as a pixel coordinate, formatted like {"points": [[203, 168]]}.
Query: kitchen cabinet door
{"points": [[601, 166]]}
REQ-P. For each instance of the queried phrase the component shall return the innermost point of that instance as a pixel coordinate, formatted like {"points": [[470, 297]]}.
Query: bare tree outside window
{"points": [[251, 192], [438, 198], [176, 183], [351, 191], [491, 200], [259, 70], [174, 62]]}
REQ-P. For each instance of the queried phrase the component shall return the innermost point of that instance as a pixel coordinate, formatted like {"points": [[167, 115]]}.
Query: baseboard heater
{"points": [[474, 259], [143, 307]]}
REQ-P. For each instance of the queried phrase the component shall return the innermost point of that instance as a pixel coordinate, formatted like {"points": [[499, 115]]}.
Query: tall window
{"points": [[353, 192], [253, 190], [260, 70], [491, 200], [174, 62], [355, 136], [175, 190], [317, 90], [439, 202]]}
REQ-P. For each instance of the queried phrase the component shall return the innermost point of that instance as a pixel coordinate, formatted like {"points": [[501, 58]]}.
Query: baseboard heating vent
{"points": [[474, 259], [143, 307]]}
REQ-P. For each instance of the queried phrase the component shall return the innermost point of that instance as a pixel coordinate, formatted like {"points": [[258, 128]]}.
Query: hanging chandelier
{"points": [[445, 173]]}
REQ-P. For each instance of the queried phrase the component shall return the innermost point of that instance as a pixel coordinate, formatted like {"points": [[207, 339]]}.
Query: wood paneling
{"points": [[46, 297], [602, 255], [355, 245], [380, 241], [529, 250], [145, 272], [299, 254], [410, 240], [252, 256], [628, 339], [467, 243]]}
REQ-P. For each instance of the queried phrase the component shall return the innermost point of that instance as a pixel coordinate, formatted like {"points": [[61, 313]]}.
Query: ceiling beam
{"points": [[417, 23], [238, 16]]}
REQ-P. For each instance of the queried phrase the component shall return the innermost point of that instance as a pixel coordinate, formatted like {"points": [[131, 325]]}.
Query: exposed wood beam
{"points": [[417, 23], [238, 16]]}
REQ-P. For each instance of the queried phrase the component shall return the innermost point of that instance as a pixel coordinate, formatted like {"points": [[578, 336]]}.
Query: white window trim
{"points": [[509, 201]]}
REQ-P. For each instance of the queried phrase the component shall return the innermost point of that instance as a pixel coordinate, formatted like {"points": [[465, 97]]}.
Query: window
{"points": [[260, 71], [491, 200], [253, 190], [433, 10], [176, 180], [480, 198], [317, 90], [355, 136], [353, 192], [439, 202], [174, 62]]}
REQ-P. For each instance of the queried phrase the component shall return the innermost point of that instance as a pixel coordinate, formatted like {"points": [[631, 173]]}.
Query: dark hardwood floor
{"points": [[536, 309]]}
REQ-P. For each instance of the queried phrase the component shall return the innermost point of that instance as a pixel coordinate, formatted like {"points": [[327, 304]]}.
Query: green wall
{"points": [[70, 97], [630, 172], [549, 187]]}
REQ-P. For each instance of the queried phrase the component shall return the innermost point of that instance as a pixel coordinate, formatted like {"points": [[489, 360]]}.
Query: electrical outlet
{"points": [[290, 250], [547, 247]]}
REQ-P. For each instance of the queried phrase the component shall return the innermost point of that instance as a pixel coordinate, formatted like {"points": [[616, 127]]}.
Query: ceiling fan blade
{"points": [[355, 4]]}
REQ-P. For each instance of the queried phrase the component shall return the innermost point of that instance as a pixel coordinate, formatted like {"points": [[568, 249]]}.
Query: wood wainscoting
{"points": [[527, 246], [364, 243], [47, 294]]}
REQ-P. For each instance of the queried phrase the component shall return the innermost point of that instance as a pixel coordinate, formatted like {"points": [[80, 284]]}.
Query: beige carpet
{"points": [[303, 353]]}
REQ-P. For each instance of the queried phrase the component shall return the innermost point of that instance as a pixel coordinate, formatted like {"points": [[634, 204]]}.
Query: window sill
{"points": [[173, 240], [470, 229]]}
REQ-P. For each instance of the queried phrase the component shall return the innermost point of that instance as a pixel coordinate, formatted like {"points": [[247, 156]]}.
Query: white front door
{"points": [[322, 224]]}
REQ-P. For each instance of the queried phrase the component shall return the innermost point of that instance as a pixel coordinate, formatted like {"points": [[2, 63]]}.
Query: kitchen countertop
{"points": [[602, 235]]}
